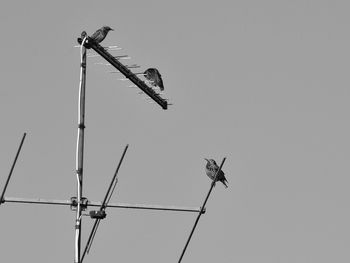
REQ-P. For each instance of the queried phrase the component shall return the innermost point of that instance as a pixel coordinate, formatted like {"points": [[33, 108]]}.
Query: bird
{"points": [[101, 34], [211, 168], [153, 75]]}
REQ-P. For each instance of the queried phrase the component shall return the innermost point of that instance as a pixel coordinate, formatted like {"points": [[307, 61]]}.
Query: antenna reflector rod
{"points": [[12, 167]]}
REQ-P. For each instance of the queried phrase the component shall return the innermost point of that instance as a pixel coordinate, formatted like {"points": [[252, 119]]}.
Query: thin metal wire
{"points": [[12, 168], [200, 213], [114, 178], [133, 66], [93, 233], [115, 184], [122, 56]]}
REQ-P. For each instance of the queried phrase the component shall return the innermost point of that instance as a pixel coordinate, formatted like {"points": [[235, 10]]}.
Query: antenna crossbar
{"points": [[41, 201]]}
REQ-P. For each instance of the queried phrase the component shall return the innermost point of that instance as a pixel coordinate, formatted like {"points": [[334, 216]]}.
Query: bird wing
{"points": [[159, 80], [210, 173], [96, 34], [147, 74], [221, 174], [212, 170]]}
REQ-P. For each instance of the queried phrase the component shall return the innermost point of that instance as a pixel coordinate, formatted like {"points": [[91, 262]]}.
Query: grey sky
{"points": [[264, 83]]}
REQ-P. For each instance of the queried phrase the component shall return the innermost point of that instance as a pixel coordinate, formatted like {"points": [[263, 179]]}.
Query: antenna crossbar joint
{"points": [[99, 214], [83, 203]]}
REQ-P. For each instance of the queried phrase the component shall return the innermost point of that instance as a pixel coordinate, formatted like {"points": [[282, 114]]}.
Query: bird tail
{"points": [[161, 85], [225, 182]]}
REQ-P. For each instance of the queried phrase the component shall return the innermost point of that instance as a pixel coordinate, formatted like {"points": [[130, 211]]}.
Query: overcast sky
{"points": [[264, 83]]}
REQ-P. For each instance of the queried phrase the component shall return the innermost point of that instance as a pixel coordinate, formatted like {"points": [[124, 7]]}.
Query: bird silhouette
{"points": [[153, 75], [101, 34], [211, 168]]}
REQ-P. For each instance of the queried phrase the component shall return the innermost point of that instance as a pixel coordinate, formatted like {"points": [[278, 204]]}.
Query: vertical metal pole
{"points": [[80, 150]]}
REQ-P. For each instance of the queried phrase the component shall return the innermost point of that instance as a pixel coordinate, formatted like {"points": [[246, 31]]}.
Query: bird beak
{"points": [[206, 159], [112, 29]]}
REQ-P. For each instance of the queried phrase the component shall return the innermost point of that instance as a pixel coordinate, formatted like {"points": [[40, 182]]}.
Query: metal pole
{"points": [[37, 201], [200, 213], [13, 166], [80, 149]]}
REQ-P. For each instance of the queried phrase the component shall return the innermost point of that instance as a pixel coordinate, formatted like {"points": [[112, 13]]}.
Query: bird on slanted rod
{"points": [[101, 34], [153, 75], [211, 168]]}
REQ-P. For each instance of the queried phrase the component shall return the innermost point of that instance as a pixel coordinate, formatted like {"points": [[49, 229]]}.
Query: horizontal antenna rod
{"points": [[41, 201]]}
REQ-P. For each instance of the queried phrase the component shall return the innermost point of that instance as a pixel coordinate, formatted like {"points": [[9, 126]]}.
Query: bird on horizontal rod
{"points": [[153, 75], [101, 34], [211, 168]]}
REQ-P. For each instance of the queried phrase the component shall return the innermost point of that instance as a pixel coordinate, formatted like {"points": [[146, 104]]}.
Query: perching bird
{"points": [[153, 75], [211, 168], [101, 34]]}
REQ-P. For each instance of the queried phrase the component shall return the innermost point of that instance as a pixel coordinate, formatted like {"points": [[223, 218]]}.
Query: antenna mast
{"points": [[80, 148]]}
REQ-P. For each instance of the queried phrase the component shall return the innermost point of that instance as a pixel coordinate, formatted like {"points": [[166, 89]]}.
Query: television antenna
{"points": [[80, 203]]}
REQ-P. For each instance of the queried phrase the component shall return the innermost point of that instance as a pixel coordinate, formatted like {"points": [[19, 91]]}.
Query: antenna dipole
{"points": [[104, 205], [12, 167], [80, 148]]}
